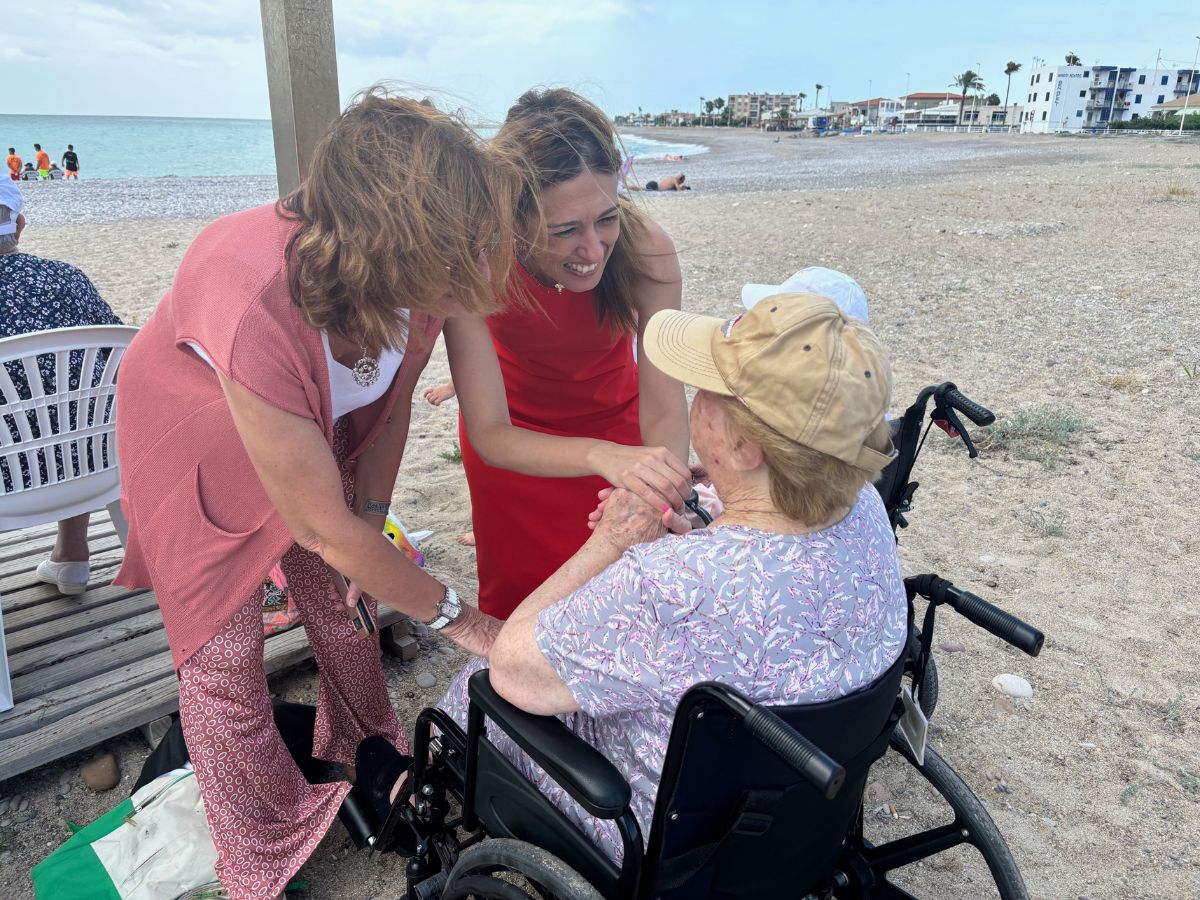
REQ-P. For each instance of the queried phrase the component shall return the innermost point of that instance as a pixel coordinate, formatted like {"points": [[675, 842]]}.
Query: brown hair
{"points": [[806, 485], [558, 135], [398, 203]]}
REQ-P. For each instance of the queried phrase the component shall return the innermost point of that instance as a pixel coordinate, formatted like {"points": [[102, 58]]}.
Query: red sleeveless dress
{"points": [[567, 375]]}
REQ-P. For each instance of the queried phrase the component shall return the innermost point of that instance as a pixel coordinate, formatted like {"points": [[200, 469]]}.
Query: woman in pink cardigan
{"points": [[264, 410]]}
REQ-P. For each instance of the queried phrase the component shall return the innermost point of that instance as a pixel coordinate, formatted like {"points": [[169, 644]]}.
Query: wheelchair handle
{"points": [[797, 751], [957, 400], [975, 609]]}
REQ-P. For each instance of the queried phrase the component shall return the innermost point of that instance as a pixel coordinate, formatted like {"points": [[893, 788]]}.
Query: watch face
{"points": [[450, 606]]}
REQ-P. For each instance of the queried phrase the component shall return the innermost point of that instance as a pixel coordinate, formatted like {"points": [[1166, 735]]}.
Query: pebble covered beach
{"points": [[1055, 280]]}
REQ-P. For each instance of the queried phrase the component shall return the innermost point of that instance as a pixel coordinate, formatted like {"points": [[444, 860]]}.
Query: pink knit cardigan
{"points": [[202, 531]]}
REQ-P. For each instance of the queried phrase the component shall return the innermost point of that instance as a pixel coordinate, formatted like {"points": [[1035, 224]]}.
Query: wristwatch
{"points": [[449, 608]]}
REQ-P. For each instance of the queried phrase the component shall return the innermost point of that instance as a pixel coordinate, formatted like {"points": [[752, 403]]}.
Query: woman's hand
{"points": [[626, 520], [654, 474], [671, 520], [474, 631]]}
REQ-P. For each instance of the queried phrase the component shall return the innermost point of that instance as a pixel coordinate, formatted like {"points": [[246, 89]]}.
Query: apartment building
{"points": [[759, 108], [1079, 98]]}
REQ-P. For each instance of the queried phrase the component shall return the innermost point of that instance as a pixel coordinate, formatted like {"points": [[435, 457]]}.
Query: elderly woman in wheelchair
{"points": [[793, 596]]}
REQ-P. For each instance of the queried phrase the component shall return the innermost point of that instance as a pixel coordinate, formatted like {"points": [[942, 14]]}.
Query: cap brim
{"points": [[680, 345]]}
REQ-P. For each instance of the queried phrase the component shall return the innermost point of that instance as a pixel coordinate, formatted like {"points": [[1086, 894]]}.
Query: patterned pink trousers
{"points": [[265, 819]]}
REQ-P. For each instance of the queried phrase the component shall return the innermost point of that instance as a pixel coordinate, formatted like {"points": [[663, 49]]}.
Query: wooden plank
{"points": [[121, 712], [38, 712], [76, 666], [48, 654], [60, 608], [127, 606], [25, 557], [38, 532], [101, 576], [26, 542]]}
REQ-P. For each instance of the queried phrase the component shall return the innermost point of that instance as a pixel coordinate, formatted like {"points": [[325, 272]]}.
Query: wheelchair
{"points": [[754, 801]]}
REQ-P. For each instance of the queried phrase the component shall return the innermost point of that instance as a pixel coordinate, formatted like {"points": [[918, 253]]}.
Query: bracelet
{"points": [[378, 507]]}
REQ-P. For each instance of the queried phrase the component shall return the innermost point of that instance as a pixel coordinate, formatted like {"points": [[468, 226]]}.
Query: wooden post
{"points": [[302, 80]]}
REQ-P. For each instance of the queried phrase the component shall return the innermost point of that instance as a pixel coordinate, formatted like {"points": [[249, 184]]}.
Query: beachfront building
{"points": [[1183, 105], [876, 112], [761, 109], [929, 99], [947, 116], [1080, 98]]}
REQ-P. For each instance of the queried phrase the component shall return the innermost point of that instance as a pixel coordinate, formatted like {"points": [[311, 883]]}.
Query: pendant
{"points": [[365, 371], [558, 287]]}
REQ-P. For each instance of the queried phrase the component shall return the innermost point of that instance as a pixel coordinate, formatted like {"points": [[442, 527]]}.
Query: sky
{"points": [[205, 57]]}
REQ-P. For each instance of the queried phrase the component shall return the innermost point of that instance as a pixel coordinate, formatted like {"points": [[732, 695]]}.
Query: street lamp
{"points": [[1187, 91]]}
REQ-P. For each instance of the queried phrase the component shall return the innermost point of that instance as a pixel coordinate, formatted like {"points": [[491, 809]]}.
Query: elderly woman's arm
{"points": [[302, 480], [519, 671]]}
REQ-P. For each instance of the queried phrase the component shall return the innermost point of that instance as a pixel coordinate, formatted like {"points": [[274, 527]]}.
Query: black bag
{"points": [[295, 721]]}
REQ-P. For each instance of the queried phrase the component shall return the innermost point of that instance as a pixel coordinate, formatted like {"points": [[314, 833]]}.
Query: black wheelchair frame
{"points": [[473, 813]]}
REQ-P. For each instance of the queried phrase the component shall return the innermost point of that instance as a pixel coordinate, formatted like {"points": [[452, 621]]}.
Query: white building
{"points": [[761, 108], [1079, 98], [876, 112]]}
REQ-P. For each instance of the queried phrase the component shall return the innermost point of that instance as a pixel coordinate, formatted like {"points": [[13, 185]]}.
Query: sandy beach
{"points": [[1053, 279]]}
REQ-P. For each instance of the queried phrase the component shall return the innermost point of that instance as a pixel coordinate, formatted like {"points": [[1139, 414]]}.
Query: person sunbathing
{"points": [[670, 183], [792, 595]]}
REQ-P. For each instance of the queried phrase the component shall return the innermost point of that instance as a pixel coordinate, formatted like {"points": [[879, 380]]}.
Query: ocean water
{"points": [[144, 147]]}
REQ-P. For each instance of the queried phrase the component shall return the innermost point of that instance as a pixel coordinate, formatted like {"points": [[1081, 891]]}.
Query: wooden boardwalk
{"points": [[85, 668]]}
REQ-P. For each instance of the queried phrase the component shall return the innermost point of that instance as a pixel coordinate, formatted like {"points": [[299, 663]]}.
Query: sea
{"points": [[157, 147]]}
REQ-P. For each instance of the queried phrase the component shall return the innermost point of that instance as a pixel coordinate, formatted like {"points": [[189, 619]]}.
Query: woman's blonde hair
{"points": [[559, 135], [806, 485], [399, 202]]}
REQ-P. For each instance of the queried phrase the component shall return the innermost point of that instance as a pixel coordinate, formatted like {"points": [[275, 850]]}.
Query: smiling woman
{"points": [[592, 270]]}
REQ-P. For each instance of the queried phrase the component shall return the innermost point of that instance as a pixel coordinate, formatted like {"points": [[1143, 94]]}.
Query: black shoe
{"points": [[379, 765]]}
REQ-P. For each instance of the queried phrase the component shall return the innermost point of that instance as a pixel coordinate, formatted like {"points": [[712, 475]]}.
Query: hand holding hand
{"points": [[627, 519], [671, 520], [654, 474]]}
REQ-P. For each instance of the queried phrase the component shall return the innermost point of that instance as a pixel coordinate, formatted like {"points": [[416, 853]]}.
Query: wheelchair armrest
{"points": [[582, 770]]}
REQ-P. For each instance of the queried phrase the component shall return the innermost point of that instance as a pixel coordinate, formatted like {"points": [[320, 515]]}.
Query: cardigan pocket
{"points": [[207, 520], [191, 556]]}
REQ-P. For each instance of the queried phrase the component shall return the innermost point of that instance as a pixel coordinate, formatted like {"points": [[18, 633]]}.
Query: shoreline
{"points": [[737, 161]]}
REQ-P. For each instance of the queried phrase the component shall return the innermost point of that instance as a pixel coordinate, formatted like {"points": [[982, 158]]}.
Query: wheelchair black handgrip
{"points": [[992, 618], [980, 415], [797, 751]]}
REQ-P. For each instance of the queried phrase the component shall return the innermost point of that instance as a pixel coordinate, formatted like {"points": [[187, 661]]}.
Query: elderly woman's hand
{"points": [[626, 519]]}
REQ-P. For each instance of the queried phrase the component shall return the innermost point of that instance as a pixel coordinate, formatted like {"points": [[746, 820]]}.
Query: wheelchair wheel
{"points": [[505, 869], [972, 825]]}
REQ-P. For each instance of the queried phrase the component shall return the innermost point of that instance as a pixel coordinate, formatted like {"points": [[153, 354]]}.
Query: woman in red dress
{"points": [[592, 271]]}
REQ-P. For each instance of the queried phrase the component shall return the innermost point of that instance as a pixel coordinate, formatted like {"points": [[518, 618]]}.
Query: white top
{"points": [[344, 392], [347, 395]]}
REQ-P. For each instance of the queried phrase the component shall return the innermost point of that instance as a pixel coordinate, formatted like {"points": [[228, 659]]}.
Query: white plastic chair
{"points": [[62, 464]]}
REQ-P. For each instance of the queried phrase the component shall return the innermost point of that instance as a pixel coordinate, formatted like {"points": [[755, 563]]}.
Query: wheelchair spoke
{"points": [[903, 851]]}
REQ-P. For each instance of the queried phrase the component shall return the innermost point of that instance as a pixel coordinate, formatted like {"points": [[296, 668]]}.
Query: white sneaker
{"points": [[70, 577]]}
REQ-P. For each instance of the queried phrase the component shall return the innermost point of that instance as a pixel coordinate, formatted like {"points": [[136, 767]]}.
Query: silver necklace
{"points": [[366, 370]]}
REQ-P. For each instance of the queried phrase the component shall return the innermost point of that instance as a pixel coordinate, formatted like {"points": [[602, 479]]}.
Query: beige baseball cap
{"points": [[797, 362]]}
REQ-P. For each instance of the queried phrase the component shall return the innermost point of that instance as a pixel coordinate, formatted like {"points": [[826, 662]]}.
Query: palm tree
{"points": [[719, 103], [800, 98], [817, 98], [1011, 69], [967, 81], [1072, 59]]}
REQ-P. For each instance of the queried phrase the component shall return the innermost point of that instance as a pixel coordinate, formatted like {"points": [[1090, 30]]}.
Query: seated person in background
{"points": [[792, 595], [670, 183], [29, 173], [37, 294], [55, 173]]}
